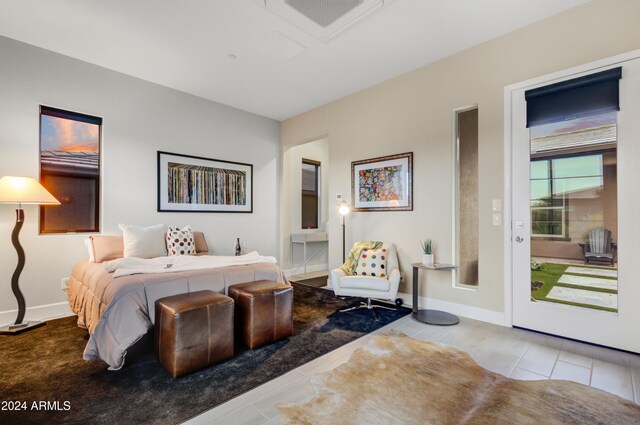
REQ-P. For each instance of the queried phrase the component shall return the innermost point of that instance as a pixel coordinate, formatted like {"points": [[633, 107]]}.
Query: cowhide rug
{"points": [[394, 379]]}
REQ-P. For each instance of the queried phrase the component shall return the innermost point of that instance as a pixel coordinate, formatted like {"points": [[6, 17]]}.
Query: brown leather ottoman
{"points": [[193, 330], [263, 311]]}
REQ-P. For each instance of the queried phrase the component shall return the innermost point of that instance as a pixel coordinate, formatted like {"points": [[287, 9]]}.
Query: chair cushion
{"points": [[365, 282], [372, 262]]}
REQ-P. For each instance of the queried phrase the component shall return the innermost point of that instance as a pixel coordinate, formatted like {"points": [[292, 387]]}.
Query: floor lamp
{"points": [[344, 210], [21, 190]]}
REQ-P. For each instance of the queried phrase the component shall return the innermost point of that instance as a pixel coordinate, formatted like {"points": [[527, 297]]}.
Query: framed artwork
{"points": [[383, 184], [194, 184]]}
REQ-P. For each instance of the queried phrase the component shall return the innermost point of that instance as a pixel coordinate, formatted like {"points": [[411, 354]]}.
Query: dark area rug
{"points": [[46, 365], [316, 282]]}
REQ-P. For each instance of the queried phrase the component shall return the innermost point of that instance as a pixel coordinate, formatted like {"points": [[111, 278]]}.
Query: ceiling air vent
{"points": [[324, 19]]}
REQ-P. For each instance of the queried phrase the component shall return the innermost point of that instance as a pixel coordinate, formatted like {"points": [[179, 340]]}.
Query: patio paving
{"points": [[591, 282], [593, 271], [583, 296]]}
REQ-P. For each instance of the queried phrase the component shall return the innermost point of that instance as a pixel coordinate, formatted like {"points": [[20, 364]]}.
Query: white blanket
{"points": [[129, 266]]}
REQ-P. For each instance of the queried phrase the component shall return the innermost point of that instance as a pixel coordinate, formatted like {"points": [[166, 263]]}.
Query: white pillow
{"points": [[144, 242], [372, 262], [180, 241]]}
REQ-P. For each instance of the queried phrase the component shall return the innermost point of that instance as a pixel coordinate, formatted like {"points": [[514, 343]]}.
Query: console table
{"points": [[432, 317], [304, 239]]}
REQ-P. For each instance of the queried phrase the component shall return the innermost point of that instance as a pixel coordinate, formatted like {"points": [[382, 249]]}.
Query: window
{"points": [[466, 222], [70, 170], [310, 194], [556, 180]]}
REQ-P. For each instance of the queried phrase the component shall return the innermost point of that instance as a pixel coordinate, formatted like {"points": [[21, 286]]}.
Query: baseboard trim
{"points": [[470, 312], [40, 312], [310, 268]]}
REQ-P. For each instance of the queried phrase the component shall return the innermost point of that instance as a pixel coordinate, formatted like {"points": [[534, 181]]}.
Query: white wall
{"points": [[292, 175], [414, 112], [139, 118]]}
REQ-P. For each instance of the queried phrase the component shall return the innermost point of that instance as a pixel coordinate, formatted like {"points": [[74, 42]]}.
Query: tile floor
{"points": [[512, 352]]}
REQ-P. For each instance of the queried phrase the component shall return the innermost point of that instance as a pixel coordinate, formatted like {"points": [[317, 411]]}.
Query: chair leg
{"points": [[362, 305], [374, 314]]}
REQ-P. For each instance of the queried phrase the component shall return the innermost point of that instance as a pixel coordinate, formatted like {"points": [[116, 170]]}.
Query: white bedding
{"points": [[117, 312], [172, 264]]}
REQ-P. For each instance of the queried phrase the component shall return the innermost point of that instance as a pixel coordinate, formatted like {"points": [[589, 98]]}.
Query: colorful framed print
{"points": [[383, 184], [194, 184]]}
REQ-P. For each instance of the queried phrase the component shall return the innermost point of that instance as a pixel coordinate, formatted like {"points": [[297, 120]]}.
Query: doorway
{"points": [[306, 182], [573, 171]]}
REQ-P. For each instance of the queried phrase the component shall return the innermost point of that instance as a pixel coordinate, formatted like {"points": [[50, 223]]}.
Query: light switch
{"points": [[497, 219], [497, 205]]}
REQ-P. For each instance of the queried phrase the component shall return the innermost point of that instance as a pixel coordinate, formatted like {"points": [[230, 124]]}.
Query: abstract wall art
{"points": [[383, 183]]}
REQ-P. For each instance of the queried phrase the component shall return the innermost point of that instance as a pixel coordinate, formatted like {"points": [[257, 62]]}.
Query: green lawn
{"points": [[550, 273]]}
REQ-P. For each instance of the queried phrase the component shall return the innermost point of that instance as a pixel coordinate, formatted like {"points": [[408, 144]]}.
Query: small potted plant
{"points": [[427, 256]]}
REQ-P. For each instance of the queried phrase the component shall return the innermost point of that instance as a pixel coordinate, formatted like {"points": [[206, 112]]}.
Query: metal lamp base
{"points": [[22, 327]]}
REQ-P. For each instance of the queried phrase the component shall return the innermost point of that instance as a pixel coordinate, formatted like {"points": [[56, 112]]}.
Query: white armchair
{"points": [[369, 287]]}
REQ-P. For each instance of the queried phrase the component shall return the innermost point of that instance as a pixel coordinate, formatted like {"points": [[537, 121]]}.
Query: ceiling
{"points": [[279, 70]]}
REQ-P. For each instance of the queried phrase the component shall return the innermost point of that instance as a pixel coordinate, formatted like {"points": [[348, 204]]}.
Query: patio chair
{"points": [[600, 247]]}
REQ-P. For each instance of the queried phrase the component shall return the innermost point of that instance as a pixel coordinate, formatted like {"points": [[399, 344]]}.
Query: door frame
{"points": [[508, 153]]}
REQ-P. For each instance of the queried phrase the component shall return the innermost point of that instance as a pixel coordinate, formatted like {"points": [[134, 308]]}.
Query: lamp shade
{"points": [[24, 190], [344, 208]]}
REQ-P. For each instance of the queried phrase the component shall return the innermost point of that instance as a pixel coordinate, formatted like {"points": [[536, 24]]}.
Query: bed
{"points": [[118, 311]]}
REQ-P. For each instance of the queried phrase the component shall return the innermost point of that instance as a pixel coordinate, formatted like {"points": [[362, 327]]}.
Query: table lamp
{"points": [[21, 190]]}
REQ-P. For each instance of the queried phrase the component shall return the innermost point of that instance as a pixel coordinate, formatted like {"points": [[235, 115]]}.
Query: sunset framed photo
{"points": [[383, 184], [195, 184]]}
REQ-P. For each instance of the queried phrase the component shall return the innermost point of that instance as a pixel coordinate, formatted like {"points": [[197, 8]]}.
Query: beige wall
{"points": [[413, 112]]}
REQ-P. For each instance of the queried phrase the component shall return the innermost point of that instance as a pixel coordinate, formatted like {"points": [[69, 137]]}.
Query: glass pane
{"points": [[582, 187], [580, 166], [574, 213], [467, 198], [70, 170], [310, 196], [539, 170], [575, 132], [540, 189], [309, 177]]}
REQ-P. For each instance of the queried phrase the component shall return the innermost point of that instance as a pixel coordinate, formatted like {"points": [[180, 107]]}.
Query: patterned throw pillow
{"points": [[372, 262], [180, 241]]}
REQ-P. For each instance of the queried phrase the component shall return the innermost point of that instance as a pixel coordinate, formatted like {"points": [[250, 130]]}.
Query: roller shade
{"points": [[592, 94], [74, 116]]}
